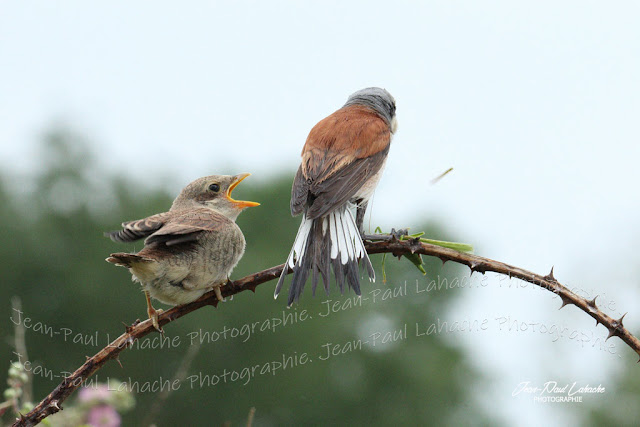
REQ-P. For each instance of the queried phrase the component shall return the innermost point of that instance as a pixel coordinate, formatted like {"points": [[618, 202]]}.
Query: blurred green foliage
{"points": [[53, 254]]}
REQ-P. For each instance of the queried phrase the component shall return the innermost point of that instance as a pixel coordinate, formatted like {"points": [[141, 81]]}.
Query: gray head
{"points": [[377, 99], [213, 192]]}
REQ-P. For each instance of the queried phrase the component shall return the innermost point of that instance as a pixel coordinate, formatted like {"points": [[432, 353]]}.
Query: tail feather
{"points": [[339, 273], [322, 244], [352, 275], [325, 267], [126, 260], [314, 280]]}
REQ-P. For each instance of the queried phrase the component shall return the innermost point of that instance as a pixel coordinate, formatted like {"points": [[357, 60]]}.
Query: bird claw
{"points": [[153, 313], [218, 293], [397, 235]]}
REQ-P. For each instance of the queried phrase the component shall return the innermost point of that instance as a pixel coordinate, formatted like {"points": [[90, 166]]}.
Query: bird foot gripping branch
{"points": [[415, 240]]}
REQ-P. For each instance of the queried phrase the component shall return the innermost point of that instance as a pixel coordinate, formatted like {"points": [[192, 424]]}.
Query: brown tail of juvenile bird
{"points": [[322, 244], [126, 260]]}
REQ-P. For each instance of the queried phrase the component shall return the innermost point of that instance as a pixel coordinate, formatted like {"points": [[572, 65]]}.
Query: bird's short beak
{"points": [[239, 204]]}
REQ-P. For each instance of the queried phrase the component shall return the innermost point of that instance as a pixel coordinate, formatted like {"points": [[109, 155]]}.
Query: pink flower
{"points": [[100, 393], [103, 416]]}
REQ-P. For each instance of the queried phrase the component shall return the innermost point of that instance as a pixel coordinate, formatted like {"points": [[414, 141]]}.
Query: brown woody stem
{"points": [[382, 244]]}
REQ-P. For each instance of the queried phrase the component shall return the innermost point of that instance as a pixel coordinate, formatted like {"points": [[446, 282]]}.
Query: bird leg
{"points": [[397, 234], [216, 289], [361, 209], [153, 313]]}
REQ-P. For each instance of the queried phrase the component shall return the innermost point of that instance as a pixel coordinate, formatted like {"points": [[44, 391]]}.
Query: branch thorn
{"points": [[550, 276], [476, 266], [565, 301], [414, 245], [619, 321], [54, 404], [616, 327]]}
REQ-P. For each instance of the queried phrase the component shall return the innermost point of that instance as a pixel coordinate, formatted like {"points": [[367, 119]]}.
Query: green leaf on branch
{"points": [[416, 259], [460, 247], [384, 258]]}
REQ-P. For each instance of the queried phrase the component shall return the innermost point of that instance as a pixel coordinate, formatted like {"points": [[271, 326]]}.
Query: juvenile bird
{"points": [[342, 162], [190, 249]]}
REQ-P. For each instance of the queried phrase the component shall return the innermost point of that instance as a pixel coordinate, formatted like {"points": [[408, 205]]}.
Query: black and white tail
{"points": [[323, 243]]}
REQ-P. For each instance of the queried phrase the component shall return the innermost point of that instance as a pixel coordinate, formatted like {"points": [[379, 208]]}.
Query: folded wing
{"points": [[342, 152], [187, 227], [171, 228], [138, 229]]}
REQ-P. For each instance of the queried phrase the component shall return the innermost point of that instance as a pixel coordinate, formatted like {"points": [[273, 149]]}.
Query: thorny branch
{"points": [[375, 244]]}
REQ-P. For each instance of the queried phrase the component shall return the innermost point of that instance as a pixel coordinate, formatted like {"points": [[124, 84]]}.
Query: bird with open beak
{"points": [[189, 250], [342, 162]]}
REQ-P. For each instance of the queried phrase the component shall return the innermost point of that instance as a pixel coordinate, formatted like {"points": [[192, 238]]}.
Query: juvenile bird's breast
{"points": [[221, 251], [215, 256], [184, 276]]}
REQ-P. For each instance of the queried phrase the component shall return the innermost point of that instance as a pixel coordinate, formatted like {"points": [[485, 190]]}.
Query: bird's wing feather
{"points": [[138, 229], [188, 226], [299, 193], [342, 152], [343, 184]]}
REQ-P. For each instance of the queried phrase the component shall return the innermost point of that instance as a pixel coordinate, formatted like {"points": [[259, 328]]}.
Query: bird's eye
{"points": [[214, 187]]}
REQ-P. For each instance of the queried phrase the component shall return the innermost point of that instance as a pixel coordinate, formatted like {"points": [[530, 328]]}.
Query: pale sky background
{"points": [[536, 106]]}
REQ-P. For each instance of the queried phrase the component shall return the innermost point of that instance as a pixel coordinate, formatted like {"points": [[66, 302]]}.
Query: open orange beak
{"points": [[239, 204]]}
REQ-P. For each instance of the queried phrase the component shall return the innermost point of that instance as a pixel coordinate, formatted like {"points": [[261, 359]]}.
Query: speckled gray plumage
{"points": [[192, 248]]}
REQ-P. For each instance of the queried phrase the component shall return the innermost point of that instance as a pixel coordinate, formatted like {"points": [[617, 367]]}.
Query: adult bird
{"points": [[189, 250], [342, 161]]}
